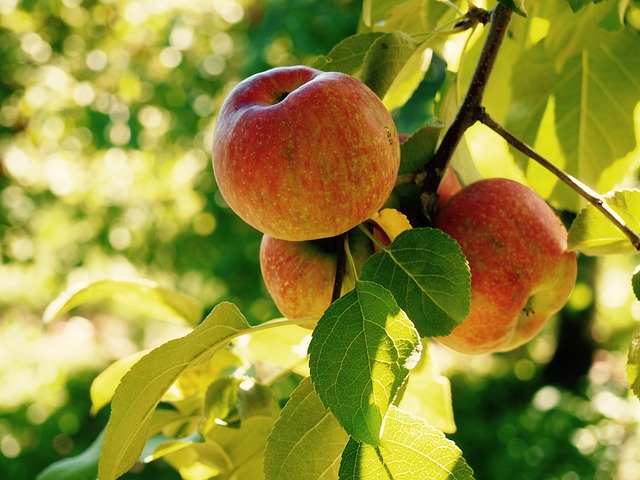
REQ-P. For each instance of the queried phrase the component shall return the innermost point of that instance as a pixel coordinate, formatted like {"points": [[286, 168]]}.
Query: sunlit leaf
{"points": [[409, 77], [104, 385], [361, 351], [385, 59], [81, 467], [348, 55], [284, 347], [427, 394], [596, 89], [243, 447], [306, 442], [141, 296], [633, 361], [409, 449], [593, 234], [148, 380], [429, 277]]}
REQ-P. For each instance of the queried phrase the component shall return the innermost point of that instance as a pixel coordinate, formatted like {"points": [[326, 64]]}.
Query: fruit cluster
{"points": [[305, 156]]}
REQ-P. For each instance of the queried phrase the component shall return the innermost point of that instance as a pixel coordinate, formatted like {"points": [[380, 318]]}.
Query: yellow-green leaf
{"points": [[409, 449], [594, 234], [143, 297], [306, 442], [148, 380], [633, 363], [104, 385]]}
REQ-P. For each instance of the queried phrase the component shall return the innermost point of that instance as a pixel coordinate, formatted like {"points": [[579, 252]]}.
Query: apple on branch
{"points": [[521, 272], [302, 154], [300, 276]]}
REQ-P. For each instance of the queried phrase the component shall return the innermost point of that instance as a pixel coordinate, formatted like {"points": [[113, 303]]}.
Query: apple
{"points": [[301, 154], [300, 276], [449, 186], [521, 272]]}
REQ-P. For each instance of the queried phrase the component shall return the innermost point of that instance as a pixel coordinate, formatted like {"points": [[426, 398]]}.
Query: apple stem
{"points": [[593, 197], [341, 268]]}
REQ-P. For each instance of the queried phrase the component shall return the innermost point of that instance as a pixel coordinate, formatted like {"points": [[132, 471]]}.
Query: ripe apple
{"points": [[449, 186], [300, 276], [301, 154], [521, 272]]}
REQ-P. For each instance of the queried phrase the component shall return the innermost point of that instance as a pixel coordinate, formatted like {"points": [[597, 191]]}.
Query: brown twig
{"points": [[593, 197], [467, 112]]}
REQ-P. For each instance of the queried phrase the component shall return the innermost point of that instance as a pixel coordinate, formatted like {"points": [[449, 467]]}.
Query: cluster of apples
{"points": [[305, 156]]}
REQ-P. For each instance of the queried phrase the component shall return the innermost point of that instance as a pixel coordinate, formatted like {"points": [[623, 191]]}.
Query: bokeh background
{"points": [[106, 119]]}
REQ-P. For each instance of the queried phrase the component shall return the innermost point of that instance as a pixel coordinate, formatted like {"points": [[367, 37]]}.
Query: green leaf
{"points": [[635, 282], [81, 467], [429, 277], [385, 59], [409, 448], [361, 351], [427, 394], [593, 234], [306, 442], [633, 360], [141, 296], [417, 150], [516, 6], [145, 384], [587, 102], [348, 55], [104, 385]]}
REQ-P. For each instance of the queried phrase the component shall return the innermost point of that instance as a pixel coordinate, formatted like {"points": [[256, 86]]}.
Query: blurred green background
{"points": [[106, 116]]}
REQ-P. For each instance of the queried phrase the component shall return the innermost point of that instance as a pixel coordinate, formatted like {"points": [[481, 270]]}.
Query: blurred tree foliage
{"points": [[106, 119]]}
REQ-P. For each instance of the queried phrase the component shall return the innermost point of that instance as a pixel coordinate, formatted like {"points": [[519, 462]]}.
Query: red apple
{"points": [[301, 154], [300, 276], [521, 272], [449, 186]]}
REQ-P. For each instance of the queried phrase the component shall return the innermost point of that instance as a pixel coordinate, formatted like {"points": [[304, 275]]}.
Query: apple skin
{"points": [[301, 154], [300, 276], [521, 272]]}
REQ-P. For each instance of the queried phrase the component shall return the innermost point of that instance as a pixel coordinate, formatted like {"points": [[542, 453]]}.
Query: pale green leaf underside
{"points": [[348, 55], [427, 394], [141, 296], [593, 234], [409, 449], [429, 277], [306, 442], [385, 59], [594, 96], [145, 384], [362, 350], [633, 363]]}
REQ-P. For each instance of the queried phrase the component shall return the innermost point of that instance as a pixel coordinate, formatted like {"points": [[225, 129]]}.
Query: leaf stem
{"points": [[593, 197]]}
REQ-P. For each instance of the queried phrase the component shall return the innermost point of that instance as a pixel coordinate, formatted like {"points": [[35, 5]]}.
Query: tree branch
{"points": [[467, 112], [583, 190]]}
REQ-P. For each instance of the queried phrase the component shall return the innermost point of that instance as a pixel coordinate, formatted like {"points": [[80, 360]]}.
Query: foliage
{"points": [[236, 395]]}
